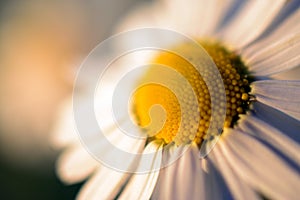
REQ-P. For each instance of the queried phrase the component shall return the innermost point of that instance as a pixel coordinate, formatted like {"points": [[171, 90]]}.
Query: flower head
{"points": [[230, 96]]}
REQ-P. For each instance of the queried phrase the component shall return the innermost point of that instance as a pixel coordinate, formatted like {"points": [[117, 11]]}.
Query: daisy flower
{"points": [[251, 43]]}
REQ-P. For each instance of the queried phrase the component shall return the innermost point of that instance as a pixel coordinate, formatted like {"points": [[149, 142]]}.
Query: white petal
{"points": [[287, 146], [78, 162], [144, 15], [182, 179], [196, 17], [238, 188], [75, 165], [140, 186], [293, 74], [279, 56], [105, 184], [260, 167], [279, 120], [282, 95], [289, 27], [64, 132], [108, 181], [251, 21], [214, 185], [121, 153]]}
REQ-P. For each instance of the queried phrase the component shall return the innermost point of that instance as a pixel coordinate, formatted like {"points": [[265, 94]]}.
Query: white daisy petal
{"points": [[282, 95], [112, 156], [140, 186], [108, 181], [293, 74], [289, 27], [145, 15], [105, 184], [260, 167], [165, 15], [238, 188], [75, 165], [279, 56], [251, 21], [175, 180], [214, 185], [279, 120], [183, 15], [254, 126], [64, 132]]}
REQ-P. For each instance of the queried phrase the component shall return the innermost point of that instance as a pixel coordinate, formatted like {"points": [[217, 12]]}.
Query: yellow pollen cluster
{"points": [[236, 84]]}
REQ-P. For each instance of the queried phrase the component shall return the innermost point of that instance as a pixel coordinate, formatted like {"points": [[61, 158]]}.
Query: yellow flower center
{"points": [[236, 83]]}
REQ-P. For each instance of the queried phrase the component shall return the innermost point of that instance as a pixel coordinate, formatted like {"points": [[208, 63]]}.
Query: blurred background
{"points": [[42, 44]]}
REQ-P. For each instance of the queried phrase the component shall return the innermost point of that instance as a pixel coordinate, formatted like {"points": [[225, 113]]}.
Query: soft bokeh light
{"points": [[42, 44]]}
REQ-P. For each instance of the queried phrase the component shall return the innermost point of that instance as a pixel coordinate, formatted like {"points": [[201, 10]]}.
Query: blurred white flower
{"points": [[257, 155]]}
